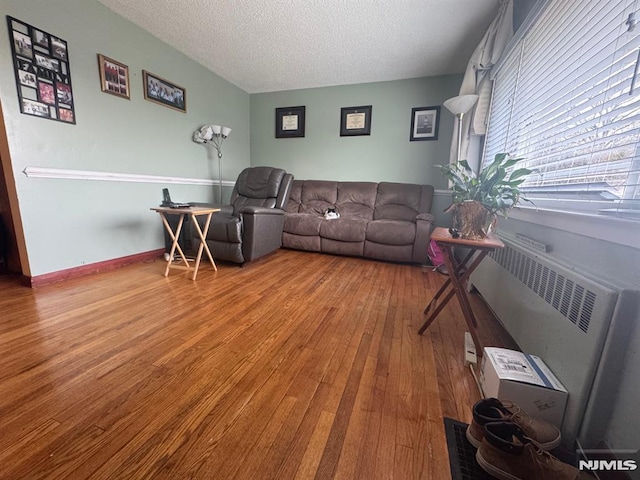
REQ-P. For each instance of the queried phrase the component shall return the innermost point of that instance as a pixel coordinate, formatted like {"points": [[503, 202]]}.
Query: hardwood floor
{"points": [[299, 366]]}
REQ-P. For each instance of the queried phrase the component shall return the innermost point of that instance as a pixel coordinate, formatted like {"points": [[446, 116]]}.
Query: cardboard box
{"points": [[525, 380]]}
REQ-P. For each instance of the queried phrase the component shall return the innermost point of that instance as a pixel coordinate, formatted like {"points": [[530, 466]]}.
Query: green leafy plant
{"points": [[496, 187]]}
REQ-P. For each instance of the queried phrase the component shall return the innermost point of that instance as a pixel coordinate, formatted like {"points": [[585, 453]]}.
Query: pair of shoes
{"points": [[507, 453], [493, 410]]}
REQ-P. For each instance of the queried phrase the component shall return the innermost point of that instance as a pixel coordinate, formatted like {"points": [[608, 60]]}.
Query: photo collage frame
{"points": [[43, 76]]}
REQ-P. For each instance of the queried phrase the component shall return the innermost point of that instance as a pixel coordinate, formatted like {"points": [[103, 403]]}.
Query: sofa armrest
{"points": [[425, 216], [423, 235], [224, 208], [252, 210], [262, 231]]}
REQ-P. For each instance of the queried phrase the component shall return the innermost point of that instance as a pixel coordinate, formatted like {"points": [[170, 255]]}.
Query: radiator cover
{"points": [[552, 311]]}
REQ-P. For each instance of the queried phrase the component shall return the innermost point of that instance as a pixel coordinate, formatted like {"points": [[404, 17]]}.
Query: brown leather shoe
{"points": [[493, 410], [508, 454]]}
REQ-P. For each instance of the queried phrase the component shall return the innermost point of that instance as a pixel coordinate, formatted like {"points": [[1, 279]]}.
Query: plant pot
{"points": [[471, 219]]}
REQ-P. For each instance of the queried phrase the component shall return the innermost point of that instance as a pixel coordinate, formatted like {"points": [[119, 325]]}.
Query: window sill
{"points": [[610, 229]]}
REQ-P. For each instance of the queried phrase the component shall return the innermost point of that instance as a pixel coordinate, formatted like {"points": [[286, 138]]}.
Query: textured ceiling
{"points": [[273, 45]]}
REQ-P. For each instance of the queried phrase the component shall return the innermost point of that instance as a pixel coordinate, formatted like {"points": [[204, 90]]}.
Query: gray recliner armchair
{"points": [[251, 226]]}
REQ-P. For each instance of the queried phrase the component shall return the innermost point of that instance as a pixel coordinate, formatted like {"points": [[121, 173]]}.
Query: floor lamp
{"points": [[459, 106], [213, 135]]}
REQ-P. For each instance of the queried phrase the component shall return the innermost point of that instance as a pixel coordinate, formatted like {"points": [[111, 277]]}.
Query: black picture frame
{"points": [[425, 122], [355, 121], [42, 72], [290, 122], [163, 92]]}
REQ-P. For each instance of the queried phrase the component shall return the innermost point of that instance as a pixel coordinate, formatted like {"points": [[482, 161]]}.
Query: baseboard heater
{"points": [[563, 316]]}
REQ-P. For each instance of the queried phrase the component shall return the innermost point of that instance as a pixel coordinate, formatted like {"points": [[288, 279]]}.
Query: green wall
{"points": [[385, 155], [68, 223]]}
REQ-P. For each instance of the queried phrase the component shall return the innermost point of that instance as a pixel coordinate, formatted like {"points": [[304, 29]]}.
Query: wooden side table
{"points": [[193, 212], [458, 275]]}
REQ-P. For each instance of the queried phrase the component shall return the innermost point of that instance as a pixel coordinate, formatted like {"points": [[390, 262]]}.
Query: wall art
{"points": [[355, 121], [43, 76], [114, 77], [290, 122], [424, 123], [163, 92]]}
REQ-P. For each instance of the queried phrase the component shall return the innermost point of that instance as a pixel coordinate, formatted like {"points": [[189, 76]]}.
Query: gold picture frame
{"points": [[114, 77], [163, 92]]}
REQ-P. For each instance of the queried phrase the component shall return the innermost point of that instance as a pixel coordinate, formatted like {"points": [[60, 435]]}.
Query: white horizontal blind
{"points": [[562, 101]]}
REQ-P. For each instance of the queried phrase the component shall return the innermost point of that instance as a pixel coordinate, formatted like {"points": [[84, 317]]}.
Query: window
{"points": [[566, 98]]}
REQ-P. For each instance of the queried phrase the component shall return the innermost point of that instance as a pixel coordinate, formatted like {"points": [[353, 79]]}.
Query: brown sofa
{"points": [[385, 221]]}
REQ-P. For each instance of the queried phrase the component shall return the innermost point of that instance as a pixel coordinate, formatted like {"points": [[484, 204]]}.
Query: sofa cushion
{"points": [[301, 242], [391, 232], [302, 223], [257, 187], [397, 201], [260, 182], [294, 200], [356, 199], [317, 196], [338, 247], [344, 229], [389, 253]]}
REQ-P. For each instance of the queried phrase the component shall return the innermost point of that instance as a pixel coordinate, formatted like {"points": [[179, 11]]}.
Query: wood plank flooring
{"points": [[299, 366]]}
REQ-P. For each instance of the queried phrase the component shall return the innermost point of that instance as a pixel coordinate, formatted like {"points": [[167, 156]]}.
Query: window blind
{"points": [[564, 100]]}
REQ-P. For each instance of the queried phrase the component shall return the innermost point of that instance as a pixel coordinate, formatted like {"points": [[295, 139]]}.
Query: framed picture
{"points": [[59, 48], [290, 122], [424, 123], [163, 92], [355, 121], [42, 72], [41, 38], [114, 77]]}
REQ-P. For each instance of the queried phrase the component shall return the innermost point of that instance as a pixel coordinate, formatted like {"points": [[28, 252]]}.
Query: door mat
{"points": [[462, 455]]}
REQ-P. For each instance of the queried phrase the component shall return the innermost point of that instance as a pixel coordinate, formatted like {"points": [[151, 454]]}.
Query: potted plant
{"points": [[477, 198]]}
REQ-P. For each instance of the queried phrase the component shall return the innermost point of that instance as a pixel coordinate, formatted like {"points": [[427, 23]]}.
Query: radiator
{"points": [[554, 312]]}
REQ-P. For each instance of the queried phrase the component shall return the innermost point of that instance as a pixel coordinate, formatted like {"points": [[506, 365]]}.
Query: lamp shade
{"points": [[460, 104], [216, 129], [206, 133], [226, 131]]}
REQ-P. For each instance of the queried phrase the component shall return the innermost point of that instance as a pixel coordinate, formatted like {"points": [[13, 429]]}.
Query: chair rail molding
{"points": [[68, 174]]}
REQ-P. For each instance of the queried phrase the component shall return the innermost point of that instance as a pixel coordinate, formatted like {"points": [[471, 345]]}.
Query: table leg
{"points": [[462, 281], [174, 237], [434, 300], [203, 244], [458, 282], [206, 247], [432, 316], [442, 289], [174, 245], [461, 266]]}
